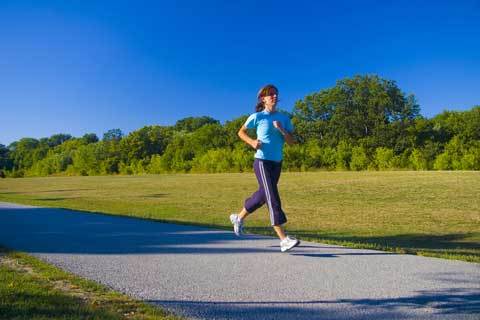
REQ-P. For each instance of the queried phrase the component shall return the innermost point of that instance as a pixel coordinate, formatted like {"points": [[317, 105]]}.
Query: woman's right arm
{"points": [[254, 143]]}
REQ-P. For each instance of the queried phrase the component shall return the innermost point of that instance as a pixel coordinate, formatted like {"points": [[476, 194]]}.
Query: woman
{"points": [[273, 130]]}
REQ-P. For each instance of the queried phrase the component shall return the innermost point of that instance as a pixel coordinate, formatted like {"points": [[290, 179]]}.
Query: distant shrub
{"points": [[343, 156], [443, 162], [383, 158], [417, 160], [359, 160]]}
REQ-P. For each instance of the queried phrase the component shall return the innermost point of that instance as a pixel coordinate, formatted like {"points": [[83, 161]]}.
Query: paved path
{"points": [[210, 274]]}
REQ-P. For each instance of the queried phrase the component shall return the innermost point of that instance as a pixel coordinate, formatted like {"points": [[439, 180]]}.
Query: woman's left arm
{"points": [[287, 135]]}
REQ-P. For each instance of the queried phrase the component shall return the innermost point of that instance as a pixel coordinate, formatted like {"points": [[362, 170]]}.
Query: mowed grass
{"points": [[433, 213], [32, 290]]}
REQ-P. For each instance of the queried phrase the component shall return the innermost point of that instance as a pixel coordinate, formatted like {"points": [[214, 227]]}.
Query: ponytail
{"points": [[259, 107]]}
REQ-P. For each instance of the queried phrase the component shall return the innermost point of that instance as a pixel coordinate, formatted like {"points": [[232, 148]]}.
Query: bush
{"points": [[313, 154], [417, 160], [156, 166], [343, 155], [294, 157], [359, 160], [383, 158], [471, 159], [443, 162], [329, 157], [242, 158], [215, 160], [135, 167]]}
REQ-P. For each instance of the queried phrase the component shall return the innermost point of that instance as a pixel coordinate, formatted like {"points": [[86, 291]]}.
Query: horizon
{"points": [[82, 68], [100, 134]]}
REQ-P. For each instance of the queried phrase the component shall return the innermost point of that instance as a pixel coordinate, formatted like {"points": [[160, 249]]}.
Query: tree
{"points": [[22, 152], [231, 129], [90, 138], [57, 139], [207, 137], [145, 142], [112, 135], [191, 124], [5, 161], [363, 106]]}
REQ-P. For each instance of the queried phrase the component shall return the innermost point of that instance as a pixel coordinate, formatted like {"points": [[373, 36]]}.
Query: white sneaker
{"points": [[288, 243], [237, 224]]}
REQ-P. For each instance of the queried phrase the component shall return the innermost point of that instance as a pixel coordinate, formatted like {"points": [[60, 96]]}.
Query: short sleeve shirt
{"points": [[271, 138]]}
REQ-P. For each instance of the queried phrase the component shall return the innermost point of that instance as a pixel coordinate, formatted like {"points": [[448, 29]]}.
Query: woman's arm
{"points": [[254, 143], [287, 135]]}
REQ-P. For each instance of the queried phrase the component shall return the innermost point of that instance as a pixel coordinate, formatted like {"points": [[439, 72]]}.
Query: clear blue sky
{"points": [[89, 66]]}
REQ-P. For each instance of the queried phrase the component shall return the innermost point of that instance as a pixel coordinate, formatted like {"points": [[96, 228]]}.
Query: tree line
{"points": [[362, 123]]}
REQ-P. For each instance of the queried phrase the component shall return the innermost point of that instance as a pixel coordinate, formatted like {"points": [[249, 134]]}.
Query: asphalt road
{"points": [[211, 274]]}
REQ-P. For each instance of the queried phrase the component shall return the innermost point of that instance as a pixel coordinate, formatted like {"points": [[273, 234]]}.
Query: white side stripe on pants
{"points": [[267, 191]]}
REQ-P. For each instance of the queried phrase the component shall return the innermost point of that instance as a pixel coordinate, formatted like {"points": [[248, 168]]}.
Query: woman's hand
{"points": [[278, 125], [288, 136], [256, 144]]}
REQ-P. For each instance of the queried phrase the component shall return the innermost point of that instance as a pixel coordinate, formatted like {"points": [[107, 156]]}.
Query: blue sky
{"points": [[88, 66]]}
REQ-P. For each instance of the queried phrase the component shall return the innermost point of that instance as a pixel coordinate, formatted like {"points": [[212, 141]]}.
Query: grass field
{"points": [[427, 212], [34, 290]]}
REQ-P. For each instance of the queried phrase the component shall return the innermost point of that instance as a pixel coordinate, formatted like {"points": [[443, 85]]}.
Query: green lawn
{"points": [[434, 213], [34, 290]]}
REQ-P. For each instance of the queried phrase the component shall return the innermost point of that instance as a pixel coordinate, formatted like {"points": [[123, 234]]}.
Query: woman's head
{"points": [[267, 96]]}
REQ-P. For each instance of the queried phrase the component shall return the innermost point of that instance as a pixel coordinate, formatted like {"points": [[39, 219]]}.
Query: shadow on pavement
{"points": [[47, 230], [459, 303]]}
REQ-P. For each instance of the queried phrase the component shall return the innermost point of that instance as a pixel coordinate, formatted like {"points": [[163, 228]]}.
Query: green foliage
{"points": [[328, 157], [313, 154], [383, 158], [359, 159], [363, 122], [24, 153], [86, 160], [54, 163], [231, 129], [242, 158], [6, 162], [417, 160], [443, 162], [214, 160], [294, 157], [145, 142], [191, 124], [57, 139], [343, 155], [356, 108], [134, 167], [90, 138], [112, 135]]}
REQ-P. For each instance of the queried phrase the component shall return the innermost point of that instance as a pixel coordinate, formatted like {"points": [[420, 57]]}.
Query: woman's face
{"points": [[270, 100]]}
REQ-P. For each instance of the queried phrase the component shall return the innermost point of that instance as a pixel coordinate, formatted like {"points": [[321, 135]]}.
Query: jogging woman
{"points": [[273, 130]]}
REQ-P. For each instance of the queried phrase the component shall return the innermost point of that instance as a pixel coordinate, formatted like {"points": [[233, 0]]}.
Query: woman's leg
{"points": [[269, 172], [257, 199], [243, 214], [280, 232]]}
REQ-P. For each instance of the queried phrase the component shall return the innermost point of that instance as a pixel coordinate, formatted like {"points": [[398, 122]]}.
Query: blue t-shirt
{"points": [[271, 138]]}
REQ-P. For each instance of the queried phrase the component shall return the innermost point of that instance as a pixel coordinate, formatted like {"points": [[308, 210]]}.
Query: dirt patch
{"points": [[127, 309], [61, 285], [13, 264]]}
